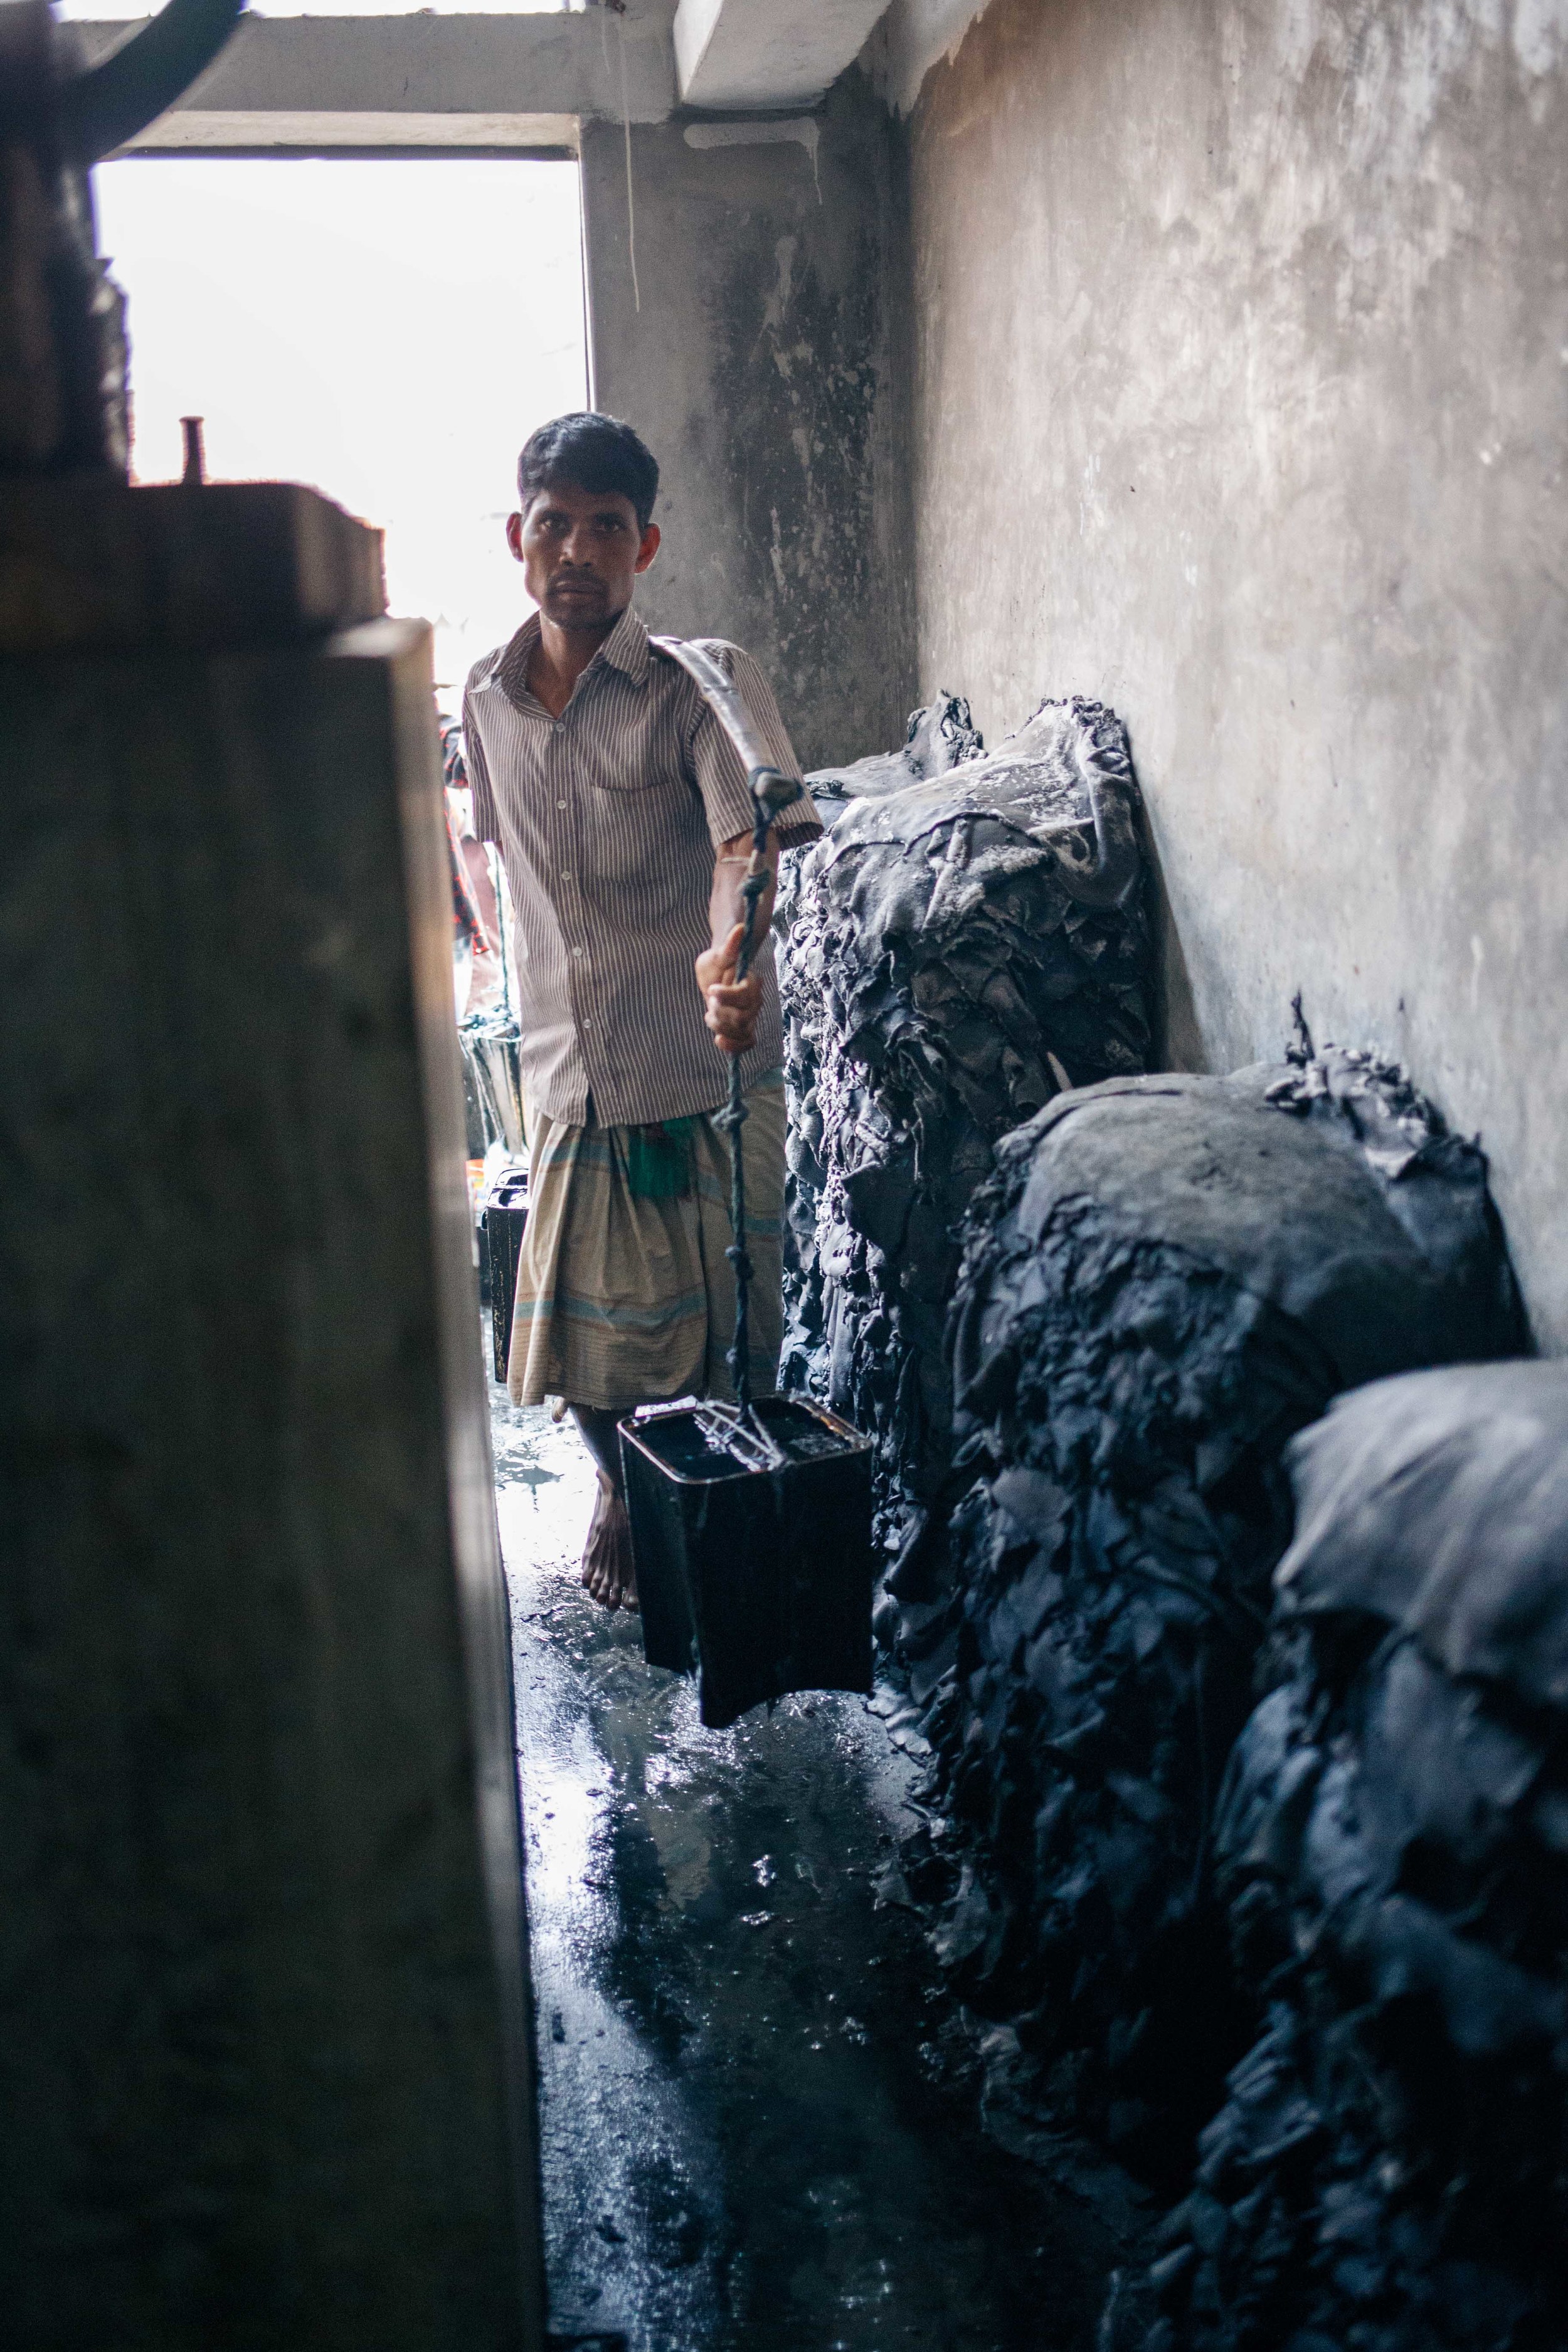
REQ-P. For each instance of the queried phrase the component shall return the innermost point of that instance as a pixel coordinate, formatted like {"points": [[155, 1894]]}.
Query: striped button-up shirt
{"points": [[608, 818]]}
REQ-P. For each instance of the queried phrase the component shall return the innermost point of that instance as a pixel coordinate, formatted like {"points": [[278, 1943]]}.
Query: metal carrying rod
{"points": [[771, 790]]}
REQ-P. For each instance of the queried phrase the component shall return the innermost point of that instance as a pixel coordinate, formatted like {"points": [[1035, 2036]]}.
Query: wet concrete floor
{"points": [[759, 2108]]}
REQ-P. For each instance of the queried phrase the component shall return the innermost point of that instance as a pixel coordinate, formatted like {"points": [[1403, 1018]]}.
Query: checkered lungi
{"points": [[624, 1300]]}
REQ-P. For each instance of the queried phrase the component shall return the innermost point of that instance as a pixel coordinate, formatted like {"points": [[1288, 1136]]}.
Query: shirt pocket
{"points": [[650, 838]]}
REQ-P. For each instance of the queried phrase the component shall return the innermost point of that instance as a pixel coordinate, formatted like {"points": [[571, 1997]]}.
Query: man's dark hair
{"points": [[592, 453]]}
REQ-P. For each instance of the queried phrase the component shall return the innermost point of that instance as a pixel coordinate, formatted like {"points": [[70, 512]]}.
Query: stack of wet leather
{"points": [[968, 939], [1390, 2169], [1164, 1281]]}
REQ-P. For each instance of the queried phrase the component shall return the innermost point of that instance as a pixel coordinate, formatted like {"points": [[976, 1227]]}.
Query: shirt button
{"points": [[577, 951], [560, 803], [566, 874]]}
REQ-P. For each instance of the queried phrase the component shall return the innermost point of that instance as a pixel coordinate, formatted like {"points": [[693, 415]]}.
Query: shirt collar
{"points": [[626, 649], [510, 671]]}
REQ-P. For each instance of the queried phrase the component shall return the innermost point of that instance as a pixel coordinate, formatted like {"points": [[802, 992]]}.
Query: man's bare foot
{"points": [[607, 1561]]}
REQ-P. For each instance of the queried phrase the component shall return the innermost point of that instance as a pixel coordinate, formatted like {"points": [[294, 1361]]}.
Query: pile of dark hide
{"points": [[1165, 1279], [941, 736], [969, 937], [1390, 2169]]}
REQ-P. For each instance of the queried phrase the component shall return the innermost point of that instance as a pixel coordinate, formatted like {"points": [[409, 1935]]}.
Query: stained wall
{"points": [[1239, 380], [750, 344]]}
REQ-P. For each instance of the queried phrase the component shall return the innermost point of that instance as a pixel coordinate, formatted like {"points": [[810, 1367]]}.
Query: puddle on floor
{"points": [[758, 2119]]}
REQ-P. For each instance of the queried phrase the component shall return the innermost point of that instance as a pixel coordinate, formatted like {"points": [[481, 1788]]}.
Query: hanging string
{"points": [[627, 127]]}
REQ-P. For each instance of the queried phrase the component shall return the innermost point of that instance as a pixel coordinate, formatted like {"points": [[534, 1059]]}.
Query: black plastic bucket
{"points": [[502, 1223], [758, 1576]]}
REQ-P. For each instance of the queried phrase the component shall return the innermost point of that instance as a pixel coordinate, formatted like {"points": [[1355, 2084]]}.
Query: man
{"points": [[624, 817], [477, 918]]}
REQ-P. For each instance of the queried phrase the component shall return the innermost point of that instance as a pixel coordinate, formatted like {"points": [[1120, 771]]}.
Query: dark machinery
{"points": [[62, 335]]}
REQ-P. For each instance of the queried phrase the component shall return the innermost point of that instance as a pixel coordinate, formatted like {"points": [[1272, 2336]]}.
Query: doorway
{"points": [[388, 332]]}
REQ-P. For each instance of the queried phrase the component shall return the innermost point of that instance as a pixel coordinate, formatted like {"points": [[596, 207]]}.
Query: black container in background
{"points": [[761, 1580], [502, 1223]]}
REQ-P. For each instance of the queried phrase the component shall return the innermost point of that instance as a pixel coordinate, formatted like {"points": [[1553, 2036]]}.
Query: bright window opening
{"points": [[389, 332]]}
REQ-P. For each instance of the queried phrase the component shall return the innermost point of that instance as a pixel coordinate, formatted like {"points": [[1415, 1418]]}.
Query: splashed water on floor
{"points": [[758, 2108]]}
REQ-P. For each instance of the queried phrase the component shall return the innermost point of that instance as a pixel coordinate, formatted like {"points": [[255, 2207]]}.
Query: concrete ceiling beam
{"points": [[286, 84], [735, 54]]}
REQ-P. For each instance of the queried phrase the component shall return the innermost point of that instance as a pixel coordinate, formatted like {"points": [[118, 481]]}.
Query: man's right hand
{"points": [[733, 1007]]}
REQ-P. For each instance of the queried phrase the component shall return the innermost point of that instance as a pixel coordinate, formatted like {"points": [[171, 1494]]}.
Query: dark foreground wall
{"points": [[756, 362], [1240, 389], [260, 2028]]}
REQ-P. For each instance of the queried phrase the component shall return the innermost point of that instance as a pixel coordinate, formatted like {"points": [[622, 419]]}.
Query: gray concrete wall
{"points": [[757, 366], [1240, 378]]}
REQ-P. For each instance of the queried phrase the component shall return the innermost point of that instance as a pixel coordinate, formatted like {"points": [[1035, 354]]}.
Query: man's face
{"points": [[580, 552]]}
